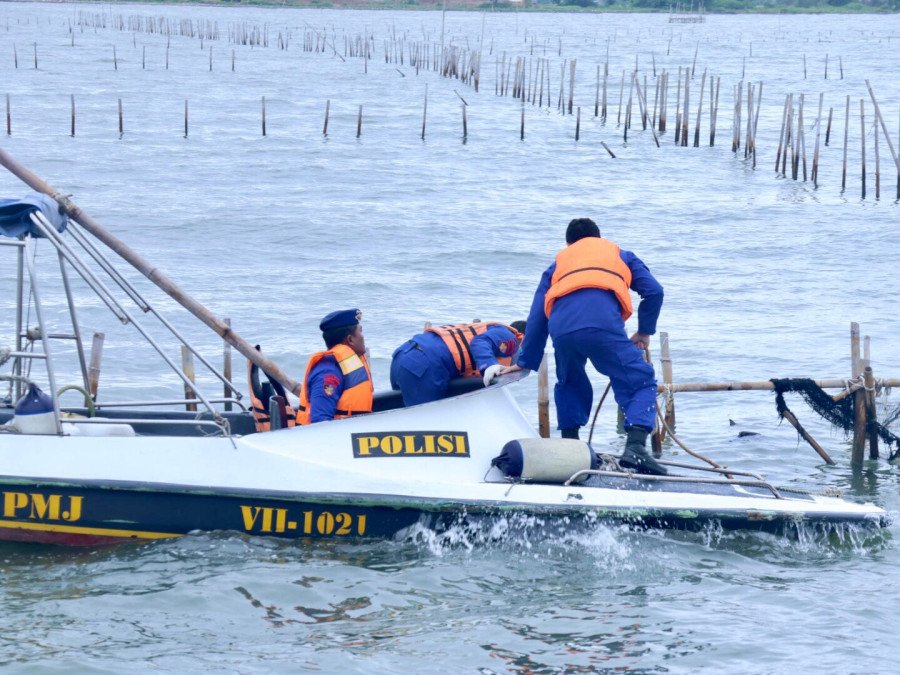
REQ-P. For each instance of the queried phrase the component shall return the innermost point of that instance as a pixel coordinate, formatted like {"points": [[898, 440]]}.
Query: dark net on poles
{"points": [[839, 413]]}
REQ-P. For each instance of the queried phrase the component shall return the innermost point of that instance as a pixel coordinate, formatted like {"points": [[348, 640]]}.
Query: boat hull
{"points": [[95, 514]]}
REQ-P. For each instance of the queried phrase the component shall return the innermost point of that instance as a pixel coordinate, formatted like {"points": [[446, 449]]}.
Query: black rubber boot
{"points": [[571, 432], [636, 456]]}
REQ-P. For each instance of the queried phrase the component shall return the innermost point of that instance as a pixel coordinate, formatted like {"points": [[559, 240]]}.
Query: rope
{"points": [[695, 455], [597, 412]]}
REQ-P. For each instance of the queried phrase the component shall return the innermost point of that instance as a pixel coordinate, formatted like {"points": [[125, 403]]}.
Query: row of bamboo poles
{"points": [[862, 385], [790, 157]]}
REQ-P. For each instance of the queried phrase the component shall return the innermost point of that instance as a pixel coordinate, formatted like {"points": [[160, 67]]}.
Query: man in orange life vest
{"points": [[582, 301], [338, 382], [422, 367]]}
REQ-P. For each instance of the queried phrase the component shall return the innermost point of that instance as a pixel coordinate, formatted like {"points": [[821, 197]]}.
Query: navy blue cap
{"points": [[343, 318]]}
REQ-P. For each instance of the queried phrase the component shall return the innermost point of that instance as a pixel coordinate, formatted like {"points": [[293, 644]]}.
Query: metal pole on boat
{"points": [[150, 271], [39, 314]]}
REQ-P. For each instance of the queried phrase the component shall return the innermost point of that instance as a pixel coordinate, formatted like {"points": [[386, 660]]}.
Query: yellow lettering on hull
{"points": [[411, 444]]}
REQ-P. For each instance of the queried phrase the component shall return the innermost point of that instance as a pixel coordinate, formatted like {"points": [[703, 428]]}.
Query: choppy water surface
{"points": [[762, 274]]}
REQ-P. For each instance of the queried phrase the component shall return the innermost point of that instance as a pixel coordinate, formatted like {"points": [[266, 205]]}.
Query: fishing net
{"points": [[839, 413]]}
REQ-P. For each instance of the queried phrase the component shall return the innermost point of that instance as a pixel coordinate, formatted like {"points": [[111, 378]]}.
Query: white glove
{"points": [[490, 373]]}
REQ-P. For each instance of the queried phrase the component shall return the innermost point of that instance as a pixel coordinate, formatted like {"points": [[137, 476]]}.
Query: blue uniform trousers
{"points": [[419, 375], [614, 355]]}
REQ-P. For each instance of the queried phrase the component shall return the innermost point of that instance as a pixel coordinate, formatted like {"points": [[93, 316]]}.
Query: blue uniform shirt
{"points": [[325, 387], [588, 308]]}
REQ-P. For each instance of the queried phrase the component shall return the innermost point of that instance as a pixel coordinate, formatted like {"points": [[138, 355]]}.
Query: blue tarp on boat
{"points": [[14, 215]]}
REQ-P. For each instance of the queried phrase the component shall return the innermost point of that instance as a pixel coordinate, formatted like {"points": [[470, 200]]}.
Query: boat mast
{"points": [[150, 271]]}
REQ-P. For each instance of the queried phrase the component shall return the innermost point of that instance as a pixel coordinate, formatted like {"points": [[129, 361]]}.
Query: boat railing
{"points": [[758, 481], [87, 262]]}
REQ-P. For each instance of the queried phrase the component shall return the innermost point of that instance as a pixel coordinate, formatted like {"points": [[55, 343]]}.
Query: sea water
{"points": [[763, 275]]}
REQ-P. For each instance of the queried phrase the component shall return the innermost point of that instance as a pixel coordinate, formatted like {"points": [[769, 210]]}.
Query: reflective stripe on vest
{"points": [[591, 262], [459, 336], [358, 390]]}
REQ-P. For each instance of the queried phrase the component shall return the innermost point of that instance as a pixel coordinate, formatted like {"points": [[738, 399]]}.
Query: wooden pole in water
{"points": [[185, 118], [543, 399], [72, 117], [121, 121], [880, 119], [327, 110], [828, 128], [859, 399], [678, 109], [187, 367], [115, 59], [862, 146], [871, 411], [150, 271], [94, 367], [815, 165], [226, 368], [877, 168], [597, 94], [606, 147], [846, 135], [684, 117], [425, 111], [571, 84], [144, 58], [621, 94], [232, 60], [790, 417], [699, 111], [578, 124], [263, 111], [359, 122], [35, 56], [522, 125]]}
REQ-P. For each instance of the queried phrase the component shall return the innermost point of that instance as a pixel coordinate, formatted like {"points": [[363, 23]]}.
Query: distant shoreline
{"points": [[431, 6]]}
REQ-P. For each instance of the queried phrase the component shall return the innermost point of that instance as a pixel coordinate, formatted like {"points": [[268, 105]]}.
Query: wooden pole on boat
{"points": [[150, 271], [543, 399], [94, 367], [187, 367], [859, 399]]}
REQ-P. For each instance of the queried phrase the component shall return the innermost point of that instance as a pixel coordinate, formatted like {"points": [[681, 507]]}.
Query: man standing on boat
{"points": [[583, 301], [338, 382], [422, 367]]}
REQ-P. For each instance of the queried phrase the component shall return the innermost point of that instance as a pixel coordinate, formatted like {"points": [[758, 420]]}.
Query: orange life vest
{"points": [[591, 262], [458, 336], [358, 389], [260, 393]]}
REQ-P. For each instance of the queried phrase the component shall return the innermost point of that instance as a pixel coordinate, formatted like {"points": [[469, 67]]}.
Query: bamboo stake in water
{"points": [[815, 165], [684, 117], [94, 367], [425, 109], [846, 135], [606, 147], [699, 111], [578, 124], [543, 399], [359, 122], [859, 408], [72, 126], [522, 125], [862, 145], [678, 109], [187, 367], [621, 94], [880, 119], [828, 128], [597, 94], [121, 121], [327, 110], [263, 115], [115, 59], [571, 83], [185, 118], [35, 56]]}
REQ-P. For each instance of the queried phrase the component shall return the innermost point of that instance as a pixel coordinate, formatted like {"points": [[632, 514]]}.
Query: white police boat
{"points": [[108, 473]]}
